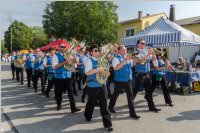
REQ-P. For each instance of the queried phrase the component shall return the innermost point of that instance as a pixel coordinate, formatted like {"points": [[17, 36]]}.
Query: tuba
{"points": [[19, 61], [104, 63], [68, 55]]}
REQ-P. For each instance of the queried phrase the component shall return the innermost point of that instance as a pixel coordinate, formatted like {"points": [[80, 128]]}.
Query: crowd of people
{"points": [[129, 74]]}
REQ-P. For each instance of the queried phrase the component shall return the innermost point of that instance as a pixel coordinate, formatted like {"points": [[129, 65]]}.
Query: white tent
{"points": [[167, 34]]}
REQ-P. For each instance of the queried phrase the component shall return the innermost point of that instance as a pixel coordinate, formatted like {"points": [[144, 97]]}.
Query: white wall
{"points": [[185, 51]]}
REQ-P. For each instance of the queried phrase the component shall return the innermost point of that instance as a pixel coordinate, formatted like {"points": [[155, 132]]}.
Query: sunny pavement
{"points": [[31, 112]]}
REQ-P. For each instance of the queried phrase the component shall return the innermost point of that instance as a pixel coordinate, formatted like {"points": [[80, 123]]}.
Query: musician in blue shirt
{"points": [[95, 90], [122, 80], [13, 57], [158, 76], [38, 70], [142, 73], [63, 78], [28, 59], [47, 62]]}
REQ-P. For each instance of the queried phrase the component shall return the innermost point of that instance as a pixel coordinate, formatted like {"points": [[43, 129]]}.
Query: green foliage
{"points": [[89, 21], [39, 37], [3, 48], [21, 36]]}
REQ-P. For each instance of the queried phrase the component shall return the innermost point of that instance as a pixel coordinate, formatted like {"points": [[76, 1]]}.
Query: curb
{"points": [[13, 128]]}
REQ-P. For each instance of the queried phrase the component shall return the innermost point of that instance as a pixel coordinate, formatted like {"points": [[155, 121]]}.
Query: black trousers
{"points": [[164, 87], [99, 94], [143, 80], [13, 70], [38, 74], [74, 83], [110, 79], [29, 72], [20, 75], [85, 89], [118, 86], [62, 85], [50, 84]]}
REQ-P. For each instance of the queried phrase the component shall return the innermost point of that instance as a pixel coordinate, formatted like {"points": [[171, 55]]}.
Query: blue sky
{"points": [[30, 11]]}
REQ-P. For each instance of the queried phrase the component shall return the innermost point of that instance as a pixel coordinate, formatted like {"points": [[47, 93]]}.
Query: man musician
{"points": [[13, 57], [19, 66], [95, 90], [63, 78], [142, 73], [47, 62], [122, 80], [28, 59], [38, 70]]}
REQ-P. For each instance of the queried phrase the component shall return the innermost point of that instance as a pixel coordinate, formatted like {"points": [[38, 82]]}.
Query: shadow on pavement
{"points": [[187, 115]]}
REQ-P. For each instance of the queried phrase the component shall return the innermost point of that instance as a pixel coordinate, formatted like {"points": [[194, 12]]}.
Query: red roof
{"points": [[55, 44]]}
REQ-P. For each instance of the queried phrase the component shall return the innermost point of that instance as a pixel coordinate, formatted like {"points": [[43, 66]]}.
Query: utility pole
{"points": [[11, 34]]}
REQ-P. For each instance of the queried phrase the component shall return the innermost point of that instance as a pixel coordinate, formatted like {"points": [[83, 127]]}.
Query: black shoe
{"points": [[112, 110], [88, 120], [155, 110], [58, 107], [36, 90], [135, 117], [22, 83], [110, 129], [47, 95], [170, 104], [29, 86], [75, 110], [83, 100], [43, 93]]}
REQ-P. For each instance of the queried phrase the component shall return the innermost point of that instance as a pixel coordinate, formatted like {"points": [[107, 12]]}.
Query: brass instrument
{"points": [[19, 63], [142, 61], [104, 63], [68, 55]]}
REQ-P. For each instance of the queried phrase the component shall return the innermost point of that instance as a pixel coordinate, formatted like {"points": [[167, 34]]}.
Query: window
{"points": [[129, 32]]}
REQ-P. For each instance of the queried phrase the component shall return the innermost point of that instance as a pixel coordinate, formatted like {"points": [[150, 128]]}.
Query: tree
{"points": [[3, 48], [95, 21], [21, 36], [39, 37]]}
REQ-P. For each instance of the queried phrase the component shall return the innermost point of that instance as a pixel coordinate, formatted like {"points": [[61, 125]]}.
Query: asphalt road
{"points": [[30, 112]]}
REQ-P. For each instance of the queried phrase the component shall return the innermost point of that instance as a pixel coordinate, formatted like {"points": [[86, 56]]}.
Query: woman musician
{"points": [[158, 76]]}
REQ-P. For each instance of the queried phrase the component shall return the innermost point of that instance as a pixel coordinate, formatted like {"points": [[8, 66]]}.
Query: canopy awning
{"points": [[164, 33], [55, 44]]}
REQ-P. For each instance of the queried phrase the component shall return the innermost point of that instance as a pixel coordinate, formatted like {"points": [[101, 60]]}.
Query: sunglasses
{"points": [[96, 50], [62, 46], [143, 43]]}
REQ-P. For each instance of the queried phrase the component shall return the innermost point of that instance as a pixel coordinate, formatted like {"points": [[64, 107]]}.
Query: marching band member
{"points": [[142, 77], [85, 58], [80, 67], [63, 79], [158, 75], [47, 62], [28, 59], [96, 91], [122, 80], [19, 68], [38, 70], [13, 57]]}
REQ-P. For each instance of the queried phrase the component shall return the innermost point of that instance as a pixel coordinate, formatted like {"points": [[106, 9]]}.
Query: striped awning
{"points": [[164, 33]]}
